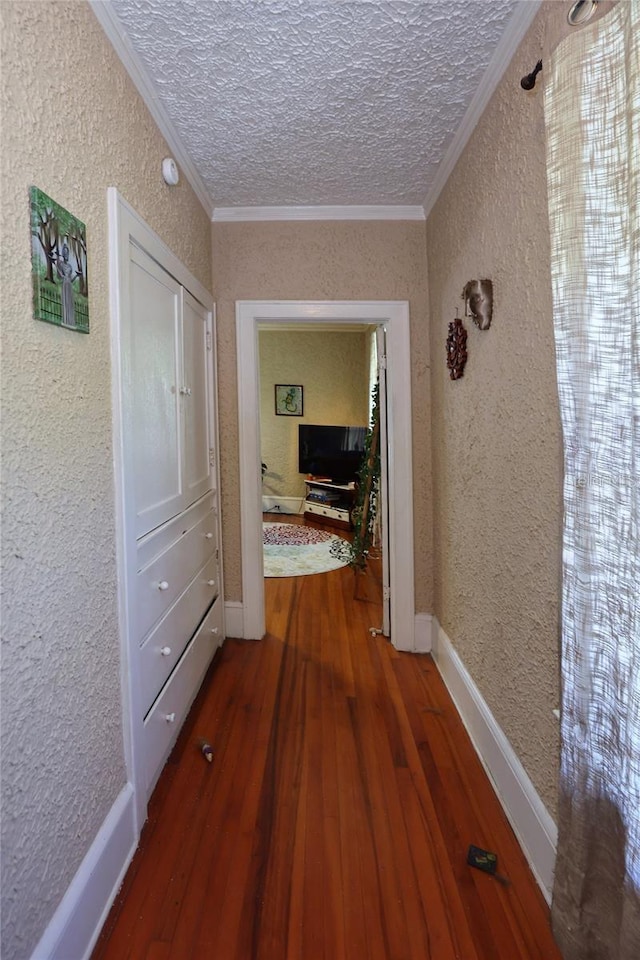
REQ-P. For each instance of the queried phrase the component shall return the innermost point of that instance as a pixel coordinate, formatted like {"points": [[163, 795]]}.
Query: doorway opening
{"points": [[323, 456], [394, 317]]}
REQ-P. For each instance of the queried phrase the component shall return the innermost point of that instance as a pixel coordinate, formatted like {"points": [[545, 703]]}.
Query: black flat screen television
{"points": [[330, 451]]}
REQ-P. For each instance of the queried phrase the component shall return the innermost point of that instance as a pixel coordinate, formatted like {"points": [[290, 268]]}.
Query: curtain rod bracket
{"points": [[529, 82]]}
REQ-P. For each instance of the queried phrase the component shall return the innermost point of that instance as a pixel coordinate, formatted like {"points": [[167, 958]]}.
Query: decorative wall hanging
{"points": [[456, 349], [478, 298], [58, 264], [529, 82], [288, 400]]}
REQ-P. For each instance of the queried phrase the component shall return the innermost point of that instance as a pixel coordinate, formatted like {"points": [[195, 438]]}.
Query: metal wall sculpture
{"points": [[478, 301]]}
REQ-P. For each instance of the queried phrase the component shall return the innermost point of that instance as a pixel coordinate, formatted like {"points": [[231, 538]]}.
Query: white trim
{"points": [[214, 420], [233, 619], [532, 824], [326, 327], [395, 316], [125, 558], [108, 20], [250, 476], [422, 633], [511, 39], [146, 238], [369, 212], [77, 922]]}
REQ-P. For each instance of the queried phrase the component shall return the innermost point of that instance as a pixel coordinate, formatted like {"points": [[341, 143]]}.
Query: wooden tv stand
{"points": [[330, 503]]}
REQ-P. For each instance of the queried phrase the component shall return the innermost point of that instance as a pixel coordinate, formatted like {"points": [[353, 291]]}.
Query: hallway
{"points": [[336, 816]]}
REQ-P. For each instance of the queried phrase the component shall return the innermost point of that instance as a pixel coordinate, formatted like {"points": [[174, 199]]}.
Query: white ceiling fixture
{"points": [[170, 172], [302, 104]]}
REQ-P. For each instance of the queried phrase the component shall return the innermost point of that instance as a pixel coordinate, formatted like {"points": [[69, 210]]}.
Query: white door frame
{"points": [[394, 314], [383, 507]]}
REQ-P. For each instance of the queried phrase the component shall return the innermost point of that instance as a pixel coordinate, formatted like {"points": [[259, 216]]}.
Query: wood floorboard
{"points": [[157, 950], [268, 896], [210, 912], [458, 774], [334, 821]]}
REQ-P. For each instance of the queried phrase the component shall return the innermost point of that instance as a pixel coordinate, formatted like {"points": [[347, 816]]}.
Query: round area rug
{"points": [[291, 550]]}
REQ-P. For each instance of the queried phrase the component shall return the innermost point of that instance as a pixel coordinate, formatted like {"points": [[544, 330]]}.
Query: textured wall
{"points": [[333, 369], [72, 125], [496, 434], [323, 261]]}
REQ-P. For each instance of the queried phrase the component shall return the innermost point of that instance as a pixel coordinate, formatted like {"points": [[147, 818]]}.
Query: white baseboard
{"points": [[423, 626], [233, 619], [76, 924], [532, 824], [282, 504]]}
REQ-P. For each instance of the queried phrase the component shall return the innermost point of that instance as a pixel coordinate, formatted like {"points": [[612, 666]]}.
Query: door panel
{"points": [[381, 347], [152, 398], [198, 472]]}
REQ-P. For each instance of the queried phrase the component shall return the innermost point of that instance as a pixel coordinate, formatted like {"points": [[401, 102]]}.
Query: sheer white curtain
{"points": [[592, 107]]}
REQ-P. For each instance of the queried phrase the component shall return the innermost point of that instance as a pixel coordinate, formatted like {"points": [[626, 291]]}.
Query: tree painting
{"points": [[58, 264], [47, 227]]}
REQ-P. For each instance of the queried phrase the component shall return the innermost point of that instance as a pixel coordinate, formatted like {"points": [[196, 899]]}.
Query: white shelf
{"points": [[330, 484]]}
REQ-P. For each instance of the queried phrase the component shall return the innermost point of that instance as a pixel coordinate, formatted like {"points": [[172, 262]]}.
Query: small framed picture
{"points": [[288, 400], [58, 264]]}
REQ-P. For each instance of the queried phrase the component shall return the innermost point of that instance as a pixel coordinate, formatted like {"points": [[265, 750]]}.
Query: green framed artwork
{"points": [[58, 264], [288, 400]]}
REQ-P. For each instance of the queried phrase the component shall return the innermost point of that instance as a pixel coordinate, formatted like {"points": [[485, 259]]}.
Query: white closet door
{"points": [[197, 435], [154, 365]]}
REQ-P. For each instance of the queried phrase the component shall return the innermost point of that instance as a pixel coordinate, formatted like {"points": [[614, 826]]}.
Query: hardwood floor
{"points": [[334, 821]]}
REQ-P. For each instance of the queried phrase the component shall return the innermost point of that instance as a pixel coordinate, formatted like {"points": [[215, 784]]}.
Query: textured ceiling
{"points": [[291, 102]]}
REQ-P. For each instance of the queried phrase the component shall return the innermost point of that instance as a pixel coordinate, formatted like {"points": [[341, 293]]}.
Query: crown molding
{"points": [[120, 42], [503, 54], [369, 212]]}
